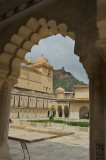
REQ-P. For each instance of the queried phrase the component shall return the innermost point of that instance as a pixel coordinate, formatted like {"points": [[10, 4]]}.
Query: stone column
{"points": [[57, 113], [51, 112], [104, 82], [91, 136], [101, 46], [5, 96], [63, 116], [97, 136], [69, 113], [94, 68]]}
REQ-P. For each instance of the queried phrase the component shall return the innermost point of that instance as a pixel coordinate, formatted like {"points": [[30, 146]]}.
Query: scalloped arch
{"points": [[27, 36]]}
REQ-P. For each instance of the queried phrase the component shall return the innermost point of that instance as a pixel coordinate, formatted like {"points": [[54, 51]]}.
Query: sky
{"points": [[60, 53]]}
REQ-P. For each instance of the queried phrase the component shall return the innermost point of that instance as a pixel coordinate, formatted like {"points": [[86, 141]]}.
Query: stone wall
{"points": [[35, 80], [26, 113], [30, 100], [82, 92]]}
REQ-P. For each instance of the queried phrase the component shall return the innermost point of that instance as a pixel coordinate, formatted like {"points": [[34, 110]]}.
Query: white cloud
{"points": [[60, 52]]}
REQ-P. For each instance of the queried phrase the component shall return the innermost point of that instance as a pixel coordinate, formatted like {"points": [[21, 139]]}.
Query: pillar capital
{"points": [[6, 83], [92, 65], [87, 64]]}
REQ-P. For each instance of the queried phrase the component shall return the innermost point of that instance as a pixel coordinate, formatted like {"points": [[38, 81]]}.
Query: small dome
{"points": [[29, 62], [60, 90]]}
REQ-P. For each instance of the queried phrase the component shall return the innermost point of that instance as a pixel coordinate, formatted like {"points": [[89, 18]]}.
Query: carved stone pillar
{"points": [[5, 96], [63, 116], [92, 124], [51, 112], [101, 45], [57, 113], [104, 82], [94, 68], [97, 136], [69, 113]]}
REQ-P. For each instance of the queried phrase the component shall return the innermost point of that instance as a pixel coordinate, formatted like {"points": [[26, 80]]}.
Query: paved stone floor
{"points": [[23, 134], [73, 147]]}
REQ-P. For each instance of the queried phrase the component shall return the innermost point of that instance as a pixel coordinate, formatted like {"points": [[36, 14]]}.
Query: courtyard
{"points": [[71, 147]]}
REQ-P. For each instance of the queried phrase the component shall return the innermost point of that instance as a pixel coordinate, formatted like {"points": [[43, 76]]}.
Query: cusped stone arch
{"points": [[66, 111], [26, 37], [84, 112]]}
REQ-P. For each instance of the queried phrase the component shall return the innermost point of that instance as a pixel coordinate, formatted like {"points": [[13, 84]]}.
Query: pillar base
{"points": [[4, 153]]}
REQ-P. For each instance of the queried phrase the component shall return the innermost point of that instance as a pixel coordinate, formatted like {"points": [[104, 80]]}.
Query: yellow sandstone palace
{"points": [[32, 97]]}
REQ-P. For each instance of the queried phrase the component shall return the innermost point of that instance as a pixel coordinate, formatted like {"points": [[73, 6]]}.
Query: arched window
{"points": [[66, 111], [84, 113], [60, 111]]}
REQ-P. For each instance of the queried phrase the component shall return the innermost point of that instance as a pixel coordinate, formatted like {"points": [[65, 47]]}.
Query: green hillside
{"points": [[64, 79]]}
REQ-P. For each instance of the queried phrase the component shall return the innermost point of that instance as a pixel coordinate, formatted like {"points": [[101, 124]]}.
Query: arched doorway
{"points": [[60, 111], [84, 113], [66, 111], [53, 111]]}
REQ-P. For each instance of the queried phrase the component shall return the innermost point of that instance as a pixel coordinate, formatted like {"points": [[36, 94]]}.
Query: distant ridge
{"points": [[64, 79]]}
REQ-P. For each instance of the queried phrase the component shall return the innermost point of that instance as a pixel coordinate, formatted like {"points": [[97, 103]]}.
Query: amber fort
{"points": [[33, 97], [23, 24]]}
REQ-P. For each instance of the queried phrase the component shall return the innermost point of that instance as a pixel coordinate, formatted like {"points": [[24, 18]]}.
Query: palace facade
{"points": [[32, 97]]}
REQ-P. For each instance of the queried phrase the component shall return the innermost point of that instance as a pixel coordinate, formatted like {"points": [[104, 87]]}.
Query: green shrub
{"points": [[81, 124], [51, 118]]}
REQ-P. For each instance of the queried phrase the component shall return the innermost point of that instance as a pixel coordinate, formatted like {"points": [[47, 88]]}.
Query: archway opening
{"points": [[53, 111], [35, 68], [60, 111], [66, 111], [26, 38], [84, 113]]}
